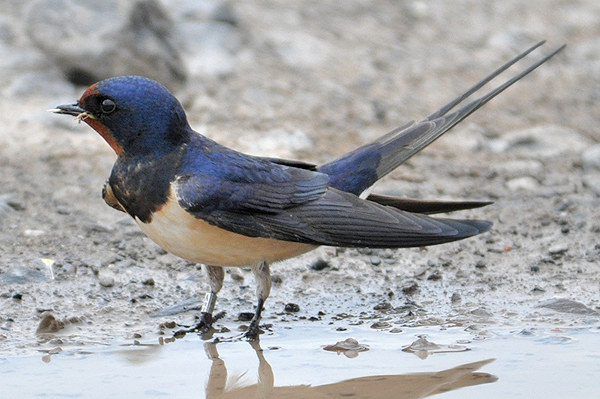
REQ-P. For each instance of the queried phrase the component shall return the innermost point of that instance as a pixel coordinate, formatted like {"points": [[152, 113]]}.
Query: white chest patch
{"points": [[181, 234]]}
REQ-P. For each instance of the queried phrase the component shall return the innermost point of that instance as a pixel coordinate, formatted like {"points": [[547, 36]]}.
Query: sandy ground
{"points": [[312, 81]]}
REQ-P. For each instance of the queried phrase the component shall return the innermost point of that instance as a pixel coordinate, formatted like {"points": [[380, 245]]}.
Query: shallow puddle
{"points": [[316, 361]]}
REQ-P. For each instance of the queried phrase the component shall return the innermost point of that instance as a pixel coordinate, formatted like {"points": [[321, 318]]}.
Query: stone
{"points": [[590, 159], [381, 325], [558, 249], [291, 308], [149, 282], [525, 183], [564, 305], [349, 344], [456, 298], [106, 281], [383, 305], [544, 141], [49, 324], [320, 264], [90, 40], [39, 271]]}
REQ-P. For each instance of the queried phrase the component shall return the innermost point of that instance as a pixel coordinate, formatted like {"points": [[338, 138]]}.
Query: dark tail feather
{"points": [[360, 169], [467, 228], [425, 207], [446, 108]]}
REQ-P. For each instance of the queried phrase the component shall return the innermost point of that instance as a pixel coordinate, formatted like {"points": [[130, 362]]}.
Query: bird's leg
{"points": [[262, 275], [217, 379], [266, 378], [216, 275]]}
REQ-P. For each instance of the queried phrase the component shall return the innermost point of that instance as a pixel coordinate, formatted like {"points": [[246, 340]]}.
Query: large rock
{"points": [[92, 40]]}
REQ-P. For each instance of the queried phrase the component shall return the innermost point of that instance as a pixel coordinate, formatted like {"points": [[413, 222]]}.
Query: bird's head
{"points": [[135, 115]]}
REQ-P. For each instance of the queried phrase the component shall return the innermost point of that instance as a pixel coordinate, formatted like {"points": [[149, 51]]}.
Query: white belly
{"points": [[181, 234]]}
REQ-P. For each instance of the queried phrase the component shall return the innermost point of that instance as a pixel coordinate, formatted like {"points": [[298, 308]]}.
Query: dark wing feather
{"points": [[342, 219], [334, 218], [292, 163], [426, 207]]}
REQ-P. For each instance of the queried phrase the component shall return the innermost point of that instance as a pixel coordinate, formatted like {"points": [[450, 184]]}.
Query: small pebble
{"points": [[49, 324], [527, 332], [349, 344], [54, 351], [410, 288], [170, 324], [564, 305], [461, 274], [590, 159], [435, 276], [375, 261], [383, 305], [236, 276], [245, 316], [380, 325], [558, 249], [482, 312], [319, 264], [456, 298], [292, 308], [63, 210], [17, 206], [106, 281], [525, 183]]}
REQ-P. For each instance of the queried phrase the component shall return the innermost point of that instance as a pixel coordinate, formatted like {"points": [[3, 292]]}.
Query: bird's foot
{"points": [[204, 326], [252, 332]]}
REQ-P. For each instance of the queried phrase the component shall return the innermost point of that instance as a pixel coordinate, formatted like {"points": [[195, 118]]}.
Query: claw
{"points": [[204, 326], [253, 331]]}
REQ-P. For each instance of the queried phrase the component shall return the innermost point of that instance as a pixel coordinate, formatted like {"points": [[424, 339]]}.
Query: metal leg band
{"points": [[210, 299]]}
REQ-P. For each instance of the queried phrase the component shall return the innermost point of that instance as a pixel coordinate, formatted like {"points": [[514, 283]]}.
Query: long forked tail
{"points": [[358, 170]]}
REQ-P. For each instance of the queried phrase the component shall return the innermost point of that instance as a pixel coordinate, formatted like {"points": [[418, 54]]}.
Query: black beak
{"points": [[68, 109]]}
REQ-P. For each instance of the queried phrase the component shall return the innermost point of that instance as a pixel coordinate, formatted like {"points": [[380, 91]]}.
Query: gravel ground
{"points": [[311, 81]]}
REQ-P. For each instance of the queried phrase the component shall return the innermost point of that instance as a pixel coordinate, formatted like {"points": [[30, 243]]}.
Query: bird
{"points": [[213, 205]]}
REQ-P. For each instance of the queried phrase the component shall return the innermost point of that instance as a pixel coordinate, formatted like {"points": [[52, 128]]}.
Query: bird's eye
{"points": [[107, 106]]}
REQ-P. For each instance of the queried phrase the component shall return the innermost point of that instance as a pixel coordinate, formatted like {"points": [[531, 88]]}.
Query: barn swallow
{"points": [[210, 204]]}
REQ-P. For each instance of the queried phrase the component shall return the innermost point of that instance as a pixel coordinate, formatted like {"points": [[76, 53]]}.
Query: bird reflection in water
{"points": [[404, 386]]}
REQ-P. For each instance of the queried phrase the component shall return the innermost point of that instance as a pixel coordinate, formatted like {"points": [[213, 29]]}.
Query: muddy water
{"points": [[319, 362]]}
